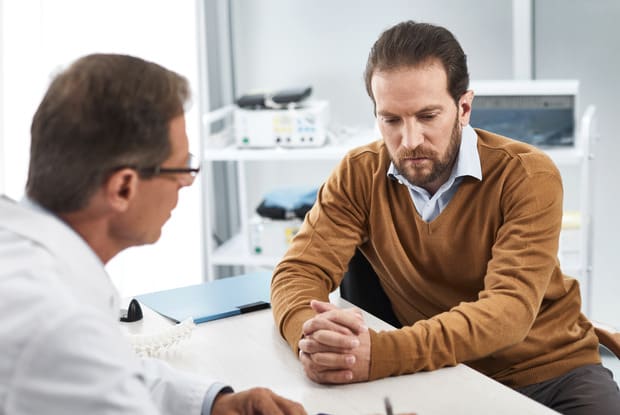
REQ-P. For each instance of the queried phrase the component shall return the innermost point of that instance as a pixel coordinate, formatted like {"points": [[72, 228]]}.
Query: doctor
{"points": [[109, 154]]}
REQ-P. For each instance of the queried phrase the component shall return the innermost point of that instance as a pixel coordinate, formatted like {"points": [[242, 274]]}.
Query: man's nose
{"points": [[185, 180], [412, 134]]}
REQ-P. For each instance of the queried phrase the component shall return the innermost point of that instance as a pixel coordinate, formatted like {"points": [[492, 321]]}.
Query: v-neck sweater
{"points": [[480, 284]]}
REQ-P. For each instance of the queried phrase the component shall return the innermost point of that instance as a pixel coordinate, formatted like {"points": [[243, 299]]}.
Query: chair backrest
{"points": [[608, 338], [361, 287]]}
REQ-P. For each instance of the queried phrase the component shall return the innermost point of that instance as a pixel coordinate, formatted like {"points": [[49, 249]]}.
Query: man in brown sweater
{"points": [[461, 227]]}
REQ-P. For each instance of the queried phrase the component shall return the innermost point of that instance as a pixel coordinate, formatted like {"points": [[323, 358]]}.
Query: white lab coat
{"points": [[61, 347]]}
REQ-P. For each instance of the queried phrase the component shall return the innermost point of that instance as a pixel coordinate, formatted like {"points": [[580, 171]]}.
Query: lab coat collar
{"points": [[84, 274]]}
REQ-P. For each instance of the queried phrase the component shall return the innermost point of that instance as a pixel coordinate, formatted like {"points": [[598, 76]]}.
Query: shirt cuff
{"points": [[212, 392]]}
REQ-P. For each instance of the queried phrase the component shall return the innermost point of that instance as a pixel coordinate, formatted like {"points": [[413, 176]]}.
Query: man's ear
{"points": [[465, 103], [120, 189]]}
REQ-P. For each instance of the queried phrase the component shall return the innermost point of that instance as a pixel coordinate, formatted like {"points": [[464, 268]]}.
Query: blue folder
{"points": [[212, 300]]}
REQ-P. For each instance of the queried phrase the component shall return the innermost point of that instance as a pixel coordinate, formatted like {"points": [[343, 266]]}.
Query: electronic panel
{"points": [[542, 120]]}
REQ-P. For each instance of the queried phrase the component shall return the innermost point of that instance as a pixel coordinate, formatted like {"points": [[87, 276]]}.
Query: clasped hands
{"points": [[335, 347]]}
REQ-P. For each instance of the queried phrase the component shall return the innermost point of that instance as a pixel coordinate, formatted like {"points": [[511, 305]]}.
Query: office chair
{"points": [[361, 287], [608, 337]]}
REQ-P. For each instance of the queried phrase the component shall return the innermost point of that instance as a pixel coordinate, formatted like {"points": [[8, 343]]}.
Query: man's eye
{"points": [[428, 117], [390, 120]]}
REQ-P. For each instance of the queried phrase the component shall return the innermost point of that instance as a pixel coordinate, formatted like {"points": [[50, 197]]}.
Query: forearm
{"points": [[291, 294], [469, 332], [319, 254], [311, 269]]}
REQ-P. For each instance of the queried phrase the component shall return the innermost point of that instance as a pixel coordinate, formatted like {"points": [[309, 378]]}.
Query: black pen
{"points": [[388, 406]]}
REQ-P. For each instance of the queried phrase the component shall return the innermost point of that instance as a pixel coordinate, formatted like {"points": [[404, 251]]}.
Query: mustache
{"points": [[417, 153]]}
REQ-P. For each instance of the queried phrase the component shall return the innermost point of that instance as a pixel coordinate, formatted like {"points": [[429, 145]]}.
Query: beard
{"points": [[441, 164]]}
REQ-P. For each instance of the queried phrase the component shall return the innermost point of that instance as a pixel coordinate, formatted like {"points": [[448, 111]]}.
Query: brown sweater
{"points": [[480, 284]]}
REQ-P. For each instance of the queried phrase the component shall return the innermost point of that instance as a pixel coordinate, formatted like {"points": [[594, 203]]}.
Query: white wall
{"points": [[325, 43], [2, 162], [577, 39], [39, 37]]}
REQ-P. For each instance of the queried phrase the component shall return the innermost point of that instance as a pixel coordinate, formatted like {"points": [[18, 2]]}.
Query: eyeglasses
{"points": [[189, 173]]}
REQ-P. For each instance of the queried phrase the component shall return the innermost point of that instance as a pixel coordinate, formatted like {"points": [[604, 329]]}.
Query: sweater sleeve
{"points": [[319, 254], [523, 262], [487, 331]]}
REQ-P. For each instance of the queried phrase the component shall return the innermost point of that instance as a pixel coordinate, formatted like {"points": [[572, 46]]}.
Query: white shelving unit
{"points": [[575, 245], [575, 164], [576, 249], [236, 250]]}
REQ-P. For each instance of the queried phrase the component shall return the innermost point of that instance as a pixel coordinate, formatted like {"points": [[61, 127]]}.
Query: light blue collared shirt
{"points": [[467, 164]]}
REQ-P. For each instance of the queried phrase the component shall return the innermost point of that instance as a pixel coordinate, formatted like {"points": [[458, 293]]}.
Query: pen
{"points": [[388, 406]]}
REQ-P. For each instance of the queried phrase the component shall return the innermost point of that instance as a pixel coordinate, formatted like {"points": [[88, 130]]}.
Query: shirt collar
{"points": [[467, 161], [80, 269]]}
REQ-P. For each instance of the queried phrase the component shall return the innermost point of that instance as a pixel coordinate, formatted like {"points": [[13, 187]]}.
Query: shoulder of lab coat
{"points": [[65, 352]]}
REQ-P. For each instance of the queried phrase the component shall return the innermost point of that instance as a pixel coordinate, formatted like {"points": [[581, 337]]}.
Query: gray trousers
{"points": [[587, 390]]}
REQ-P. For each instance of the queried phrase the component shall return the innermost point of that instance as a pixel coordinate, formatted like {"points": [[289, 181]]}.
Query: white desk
{"points": [[247, 351]]}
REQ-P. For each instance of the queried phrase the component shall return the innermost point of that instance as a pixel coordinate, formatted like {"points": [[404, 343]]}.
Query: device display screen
{"points": [[544, 121]]}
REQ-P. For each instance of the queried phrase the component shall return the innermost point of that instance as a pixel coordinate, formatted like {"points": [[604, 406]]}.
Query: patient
{"points": [[109, 154], [461, 226]]}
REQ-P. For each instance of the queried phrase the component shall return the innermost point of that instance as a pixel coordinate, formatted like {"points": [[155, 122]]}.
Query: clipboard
{"points": [[212, 300]]}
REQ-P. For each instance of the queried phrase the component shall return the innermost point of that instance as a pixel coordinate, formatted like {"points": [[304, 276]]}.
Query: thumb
{"points": [[322, 306]]}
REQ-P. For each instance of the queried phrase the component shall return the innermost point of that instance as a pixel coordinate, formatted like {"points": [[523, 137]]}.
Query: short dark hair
{"points": [[103, 112], [410, 44]]}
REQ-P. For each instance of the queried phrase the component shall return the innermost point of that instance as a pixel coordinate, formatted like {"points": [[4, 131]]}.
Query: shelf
{"points": [[236, 251], [560, 156], [329, 151], [219, 146]]}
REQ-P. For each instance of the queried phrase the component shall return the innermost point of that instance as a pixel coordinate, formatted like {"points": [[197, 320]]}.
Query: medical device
{"points": [[301, 125], [542, 113], [272, 236]]}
